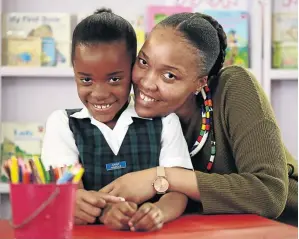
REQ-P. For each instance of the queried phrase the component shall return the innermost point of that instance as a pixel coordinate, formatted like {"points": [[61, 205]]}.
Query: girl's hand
{"points": [[149, 217], [116, 216], [89, 205]]}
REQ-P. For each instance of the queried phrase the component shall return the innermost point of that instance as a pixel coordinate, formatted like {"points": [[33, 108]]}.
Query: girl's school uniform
{"points": [[134, 144]]}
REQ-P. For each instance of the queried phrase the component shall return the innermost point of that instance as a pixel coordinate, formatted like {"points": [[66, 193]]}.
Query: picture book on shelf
{"points": [[285, 55], [236, 26], [285, 40], [53, 29], [139, 27], [156, 14], [21, 140], [22, 51]]}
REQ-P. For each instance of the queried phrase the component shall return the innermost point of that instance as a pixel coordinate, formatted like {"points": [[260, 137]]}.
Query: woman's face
{"points": [[165, 74]]}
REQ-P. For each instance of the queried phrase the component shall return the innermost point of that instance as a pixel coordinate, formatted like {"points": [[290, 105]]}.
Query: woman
{"points": [[240, 162]]}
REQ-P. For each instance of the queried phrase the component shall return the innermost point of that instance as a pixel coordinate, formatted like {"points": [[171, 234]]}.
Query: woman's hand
{"points": [[135, 187]]}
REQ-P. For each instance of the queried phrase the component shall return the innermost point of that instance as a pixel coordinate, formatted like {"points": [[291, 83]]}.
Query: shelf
{"points": [[284, 74], [4, 188], [7, 71]]}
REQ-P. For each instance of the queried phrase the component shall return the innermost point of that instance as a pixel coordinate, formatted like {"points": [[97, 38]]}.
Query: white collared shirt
{"points": [[59, 147]]}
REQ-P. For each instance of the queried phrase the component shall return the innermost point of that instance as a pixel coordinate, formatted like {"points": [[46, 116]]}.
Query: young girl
{"points": [[107, 136]]}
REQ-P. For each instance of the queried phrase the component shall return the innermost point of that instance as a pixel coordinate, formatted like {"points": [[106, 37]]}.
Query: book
{"points": [[156, 14], [22, 140], [285, 27], [139, 27], [285, 40], [53, 29], [22, 51], [236, 26]]}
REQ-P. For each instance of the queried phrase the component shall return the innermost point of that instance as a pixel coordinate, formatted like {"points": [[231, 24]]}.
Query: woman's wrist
{"points": [[183, 181], [172, 175]]}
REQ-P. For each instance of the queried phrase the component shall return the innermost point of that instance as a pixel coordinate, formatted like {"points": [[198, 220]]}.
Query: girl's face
{"points": [[165, 74], [103, 77]]}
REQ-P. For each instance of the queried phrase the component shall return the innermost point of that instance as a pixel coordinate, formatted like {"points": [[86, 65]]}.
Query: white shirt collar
{"points": [[114, 137], [82, 114], [124, 119]]}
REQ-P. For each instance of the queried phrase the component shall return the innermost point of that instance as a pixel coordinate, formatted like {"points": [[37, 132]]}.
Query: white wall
{"points": [[25, 99], [284, 100]]}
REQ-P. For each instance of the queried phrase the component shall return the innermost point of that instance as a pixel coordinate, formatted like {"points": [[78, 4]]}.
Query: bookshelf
{"points": [[45, 72], [280, 85], [4, 188], [6, 71], [278, 74], [269, 74], [55, 89]]}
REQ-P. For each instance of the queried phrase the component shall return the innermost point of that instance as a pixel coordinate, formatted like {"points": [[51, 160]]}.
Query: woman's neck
{"points": [[186, 111], [188, 115]]}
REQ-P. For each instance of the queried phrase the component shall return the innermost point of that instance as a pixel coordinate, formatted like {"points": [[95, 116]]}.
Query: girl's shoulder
{"points": [[58, 115]]}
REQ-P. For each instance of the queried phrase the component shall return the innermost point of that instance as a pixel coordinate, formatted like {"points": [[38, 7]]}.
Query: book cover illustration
{"points": [[54, 30], [22, 51], [22, 140], [156, 14], [285, 40], [139, 27], [236, 26]]}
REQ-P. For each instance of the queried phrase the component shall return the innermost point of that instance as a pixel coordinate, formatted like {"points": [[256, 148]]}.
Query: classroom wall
{"points": [[285, 104]]}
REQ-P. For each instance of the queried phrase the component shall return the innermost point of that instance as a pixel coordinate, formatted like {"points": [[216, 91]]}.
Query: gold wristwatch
{"points": [[161, 184]]}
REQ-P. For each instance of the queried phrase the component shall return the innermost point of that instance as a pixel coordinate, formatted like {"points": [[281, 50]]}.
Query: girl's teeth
{"points": [[102, 106]]}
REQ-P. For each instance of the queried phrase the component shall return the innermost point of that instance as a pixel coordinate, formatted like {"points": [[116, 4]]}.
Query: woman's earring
{"points": [[204, 90]]}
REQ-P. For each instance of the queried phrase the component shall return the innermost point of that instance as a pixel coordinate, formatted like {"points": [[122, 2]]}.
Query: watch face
{"points": [[161, 185]]}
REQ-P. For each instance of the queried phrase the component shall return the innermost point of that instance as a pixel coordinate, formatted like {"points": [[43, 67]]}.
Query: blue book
{"points": [[48, 51]]}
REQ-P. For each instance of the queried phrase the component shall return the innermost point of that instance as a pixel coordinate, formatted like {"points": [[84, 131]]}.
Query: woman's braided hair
{"points": [[206, 35], [213, 74]]}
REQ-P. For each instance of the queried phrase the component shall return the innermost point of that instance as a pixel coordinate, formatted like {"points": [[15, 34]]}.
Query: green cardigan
{"points": [[251, 172]]}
